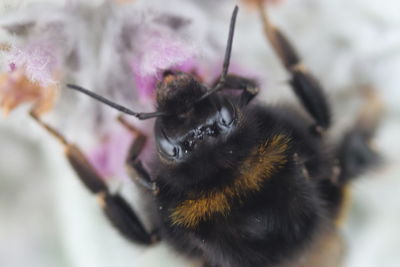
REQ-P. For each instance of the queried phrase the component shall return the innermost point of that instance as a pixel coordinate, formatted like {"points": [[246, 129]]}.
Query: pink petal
{"points": [[109, 156], [39, 58], [159, 51]]}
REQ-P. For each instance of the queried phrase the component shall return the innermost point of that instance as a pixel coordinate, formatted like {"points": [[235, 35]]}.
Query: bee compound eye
{"points": [[168, 149], [226, 117]]}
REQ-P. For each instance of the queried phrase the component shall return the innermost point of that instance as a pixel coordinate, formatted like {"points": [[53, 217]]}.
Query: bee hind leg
{"points": [[117, 210]]}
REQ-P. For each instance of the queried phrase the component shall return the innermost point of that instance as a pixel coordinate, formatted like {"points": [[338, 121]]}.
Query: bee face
{"points": [[201, 125]]}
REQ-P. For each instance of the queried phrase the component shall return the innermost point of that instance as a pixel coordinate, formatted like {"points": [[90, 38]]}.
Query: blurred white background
{"points": [[48, 219]]}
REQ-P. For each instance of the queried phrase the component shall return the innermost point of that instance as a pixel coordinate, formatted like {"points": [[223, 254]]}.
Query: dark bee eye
{"points": [[226, 116], [168, 149]]}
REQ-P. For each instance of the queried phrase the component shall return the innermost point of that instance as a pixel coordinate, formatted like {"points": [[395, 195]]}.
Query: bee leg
{"points": [[134, 166], [116, 209], [355, 152], [305, 86], [249, 87]]}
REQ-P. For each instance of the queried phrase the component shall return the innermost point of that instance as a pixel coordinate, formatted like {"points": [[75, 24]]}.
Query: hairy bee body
{"points": [[237, 183], [253, 199]]}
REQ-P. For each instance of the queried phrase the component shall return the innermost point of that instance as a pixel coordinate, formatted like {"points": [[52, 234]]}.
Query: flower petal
{"points": [[39, 60], [159, 51], [16, 89]]}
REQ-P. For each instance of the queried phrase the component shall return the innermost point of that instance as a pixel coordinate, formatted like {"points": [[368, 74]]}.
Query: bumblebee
{"points": [[237, 183]]}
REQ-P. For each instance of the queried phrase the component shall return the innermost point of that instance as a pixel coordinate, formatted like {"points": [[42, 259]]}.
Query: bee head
{"points": [[192, 124]]}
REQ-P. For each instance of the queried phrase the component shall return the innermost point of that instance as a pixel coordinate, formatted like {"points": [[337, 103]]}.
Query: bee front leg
{"points": [[116, 209], [305, 86], [249, 87], [135, 166], [355, 152]]}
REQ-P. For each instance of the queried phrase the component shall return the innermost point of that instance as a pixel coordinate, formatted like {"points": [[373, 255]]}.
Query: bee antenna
{"points": [[139, 115], [227, 57]]}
